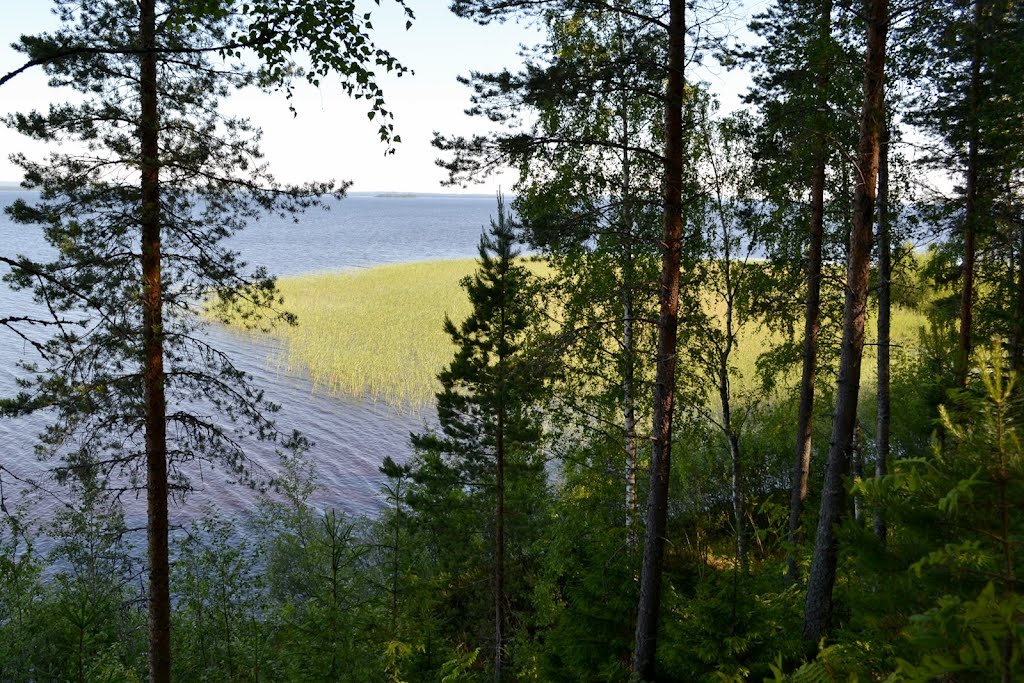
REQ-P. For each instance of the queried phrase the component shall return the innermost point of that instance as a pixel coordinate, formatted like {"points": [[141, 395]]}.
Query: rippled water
{"points": [[352, 436]]}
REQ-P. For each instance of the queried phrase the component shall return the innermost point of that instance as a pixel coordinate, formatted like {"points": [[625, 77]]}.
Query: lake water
{"points": [[352, 436]]}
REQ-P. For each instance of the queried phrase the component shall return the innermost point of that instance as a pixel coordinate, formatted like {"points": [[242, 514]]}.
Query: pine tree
{"points": [[139, 218], [821, 580], [803, 80], [486, 461], [586, 194]]}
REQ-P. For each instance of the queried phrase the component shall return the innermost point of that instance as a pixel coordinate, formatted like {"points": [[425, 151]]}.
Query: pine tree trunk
{"points": [[812, 321], [649, 608], [153, 372], [818, 607], [971, 205], [884, 318]]}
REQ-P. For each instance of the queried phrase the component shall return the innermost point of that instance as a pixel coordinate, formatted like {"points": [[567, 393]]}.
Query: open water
{"points": [[351, 436]]}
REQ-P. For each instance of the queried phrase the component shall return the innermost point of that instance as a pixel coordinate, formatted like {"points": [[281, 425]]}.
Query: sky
{"points": [[331, 137]]}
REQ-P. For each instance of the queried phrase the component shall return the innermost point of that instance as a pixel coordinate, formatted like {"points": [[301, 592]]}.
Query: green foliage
{"points": [[22, 631], [586, 589], [221, 626], [456, 669], [82, 622], [731, 626], [320, 601], [980, 637], [477, 486], [821, 670]]}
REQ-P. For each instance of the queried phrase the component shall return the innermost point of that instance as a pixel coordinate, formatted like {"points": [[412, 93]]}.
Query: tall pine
{"points": [[485, 465]]}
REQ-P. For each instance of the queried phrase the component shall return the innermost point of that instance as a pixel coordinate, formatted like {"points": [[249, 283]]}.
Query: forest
{"points": [[734, 395]]}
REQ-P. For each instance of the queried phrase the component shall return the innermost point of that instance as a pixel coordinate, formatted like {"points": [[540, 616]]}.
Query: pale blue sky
{"points": [[332, 137]]}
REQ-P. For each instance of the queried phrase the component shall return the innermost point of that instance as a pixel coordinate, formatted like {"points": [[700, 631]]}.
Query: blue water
{"points": [[352, 436]]}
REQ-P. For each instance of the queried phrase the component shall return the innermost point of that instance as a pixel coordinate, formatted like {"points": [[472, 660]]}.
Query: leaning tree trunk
{"points": [[884, 316], [812, 318], [155, 408], [970, 205], [649, 607], [818, 607]]}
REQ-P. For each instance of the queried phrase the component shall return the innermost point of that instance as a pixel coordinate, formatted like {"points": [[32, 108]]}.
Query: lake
{"points": [[351, 436]]}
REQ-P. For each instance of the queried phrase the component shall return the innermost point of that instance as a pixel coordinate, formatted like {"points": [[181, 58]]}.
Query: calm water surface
{"points": [[352, 436]]}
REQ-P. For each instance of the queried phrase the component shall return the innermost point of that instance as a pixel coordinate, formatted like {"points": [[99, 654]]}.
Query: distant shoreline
{"points": [[14, 187]]}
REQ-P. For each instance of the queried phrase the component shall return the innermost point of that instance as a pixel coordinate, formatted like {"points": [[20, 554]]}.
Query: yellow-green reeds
{"points": [[377, 333]]}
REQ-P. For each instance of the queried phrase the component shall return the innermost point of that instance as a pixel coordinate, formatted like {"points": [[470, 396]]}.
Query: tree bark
{"points": [[812, 319], [818, 607], [882, 424], [1017, 343], [970, 205], [648, 612], [629, 420], [628, 357], [737, 497], [857, 450], [155, 408], [499, 562]]}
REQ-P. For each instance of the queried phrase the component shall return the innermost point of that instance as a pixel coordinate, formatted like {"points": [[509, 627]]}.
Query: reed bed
{"points": [[377, 333]]}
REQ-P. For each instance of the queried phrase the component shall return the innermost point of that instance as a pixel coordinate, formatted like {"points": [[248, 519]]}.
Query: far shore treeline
{"points": [[724, 396]]}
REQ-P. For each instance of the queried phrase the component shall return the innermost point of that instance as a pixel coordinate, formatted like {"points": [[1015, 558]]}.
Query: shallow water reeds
{"points": [[376, 333]]}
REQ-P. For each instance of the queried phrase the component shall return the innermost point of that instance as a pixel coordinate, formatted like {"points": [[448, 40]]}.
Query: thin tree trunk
{"points": [[857, 450], [971, 205], [884, 317], [812, 320], [737, 497], [818, 607], [629, 419], [724, 387], [1017, 343], [628, 374], [649, 608], [499, 536], [153, 371]]}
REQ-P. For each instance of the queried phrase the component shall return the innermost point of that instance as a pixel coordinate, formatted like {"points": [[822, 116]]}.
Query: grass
{"points": [[378, 334], [755, 339], [375, 333]]}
